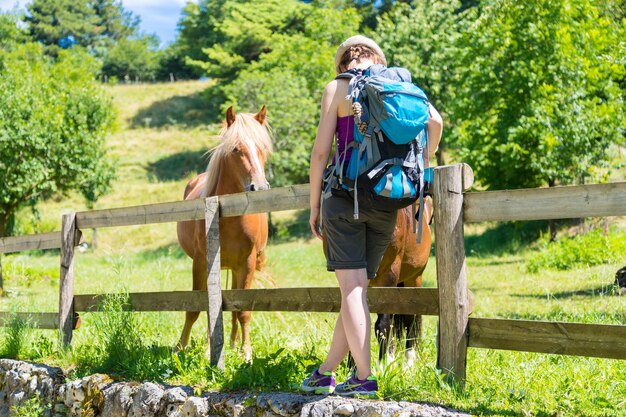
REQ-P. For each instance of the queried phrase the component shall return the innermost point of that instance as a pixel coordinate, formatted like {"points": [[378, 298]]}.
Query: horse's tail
{"points": [[260, 260]]}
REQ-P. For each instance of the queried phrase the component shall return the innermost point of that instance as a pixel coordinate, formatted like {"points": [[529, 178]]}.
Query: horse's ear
{"points": [[261, 115], [230, 116]]}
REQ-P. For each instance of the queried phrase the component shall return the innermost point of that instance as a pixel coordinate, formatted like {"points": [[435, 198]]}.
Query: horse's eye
{"points": [[238, 151]]}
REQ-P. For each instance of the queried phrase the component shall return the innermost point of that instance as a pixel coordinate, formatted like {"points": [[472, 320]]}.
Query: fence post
{"points": [[451, 272], [214, 289], [69, 238]]}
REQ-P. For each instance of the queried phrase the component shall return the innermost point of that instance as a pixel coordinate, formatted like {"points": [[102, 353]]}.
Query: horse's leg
{"points": [[390, 274], [234, 320], [409, 326], [413, 327], [401, 324], [243, 278], [382, 327], [199, 284]]}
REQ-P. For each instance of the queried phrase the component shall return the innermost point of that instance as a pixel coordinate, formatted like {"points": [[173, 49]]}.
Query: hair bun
{"points": [[355, 41]]}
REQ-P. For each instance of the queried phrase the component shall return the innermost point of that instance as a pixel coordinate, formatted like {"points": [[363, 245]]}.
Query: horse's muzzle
{"points": [[257, 187]]}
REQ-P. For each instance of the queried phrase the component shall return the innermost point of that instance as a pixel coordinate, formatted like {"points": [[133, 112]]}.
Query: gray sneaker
{"points": [[319, 383]]}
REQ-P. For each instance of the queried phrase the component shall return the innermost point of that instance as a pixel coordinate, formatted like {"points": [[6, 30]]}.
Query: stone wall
{"points": [[98, 395]]}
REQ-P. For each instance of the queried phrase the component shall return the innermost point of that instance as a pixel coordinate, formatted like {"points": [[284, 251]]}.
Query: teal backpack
{"points": [[385, 170]]}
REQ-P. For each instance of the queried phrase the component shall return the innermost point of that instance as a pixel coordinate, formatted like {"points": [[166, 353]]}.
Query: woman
{"points": [[354, 248]]}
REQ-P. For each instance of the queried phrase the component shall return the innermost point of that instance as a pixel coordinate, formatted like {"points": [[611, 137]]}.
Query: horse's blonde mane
{"points": [[244, 127]]}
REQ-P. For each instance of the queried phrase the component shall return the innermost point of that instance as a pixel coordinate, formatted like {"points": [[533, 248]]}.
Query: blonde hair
{"points": [[357, 54]]}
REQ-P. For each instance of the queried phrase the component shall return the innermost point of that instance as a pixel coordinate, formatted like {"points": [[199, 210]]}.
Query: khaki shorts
{"points": [[355, 244]]}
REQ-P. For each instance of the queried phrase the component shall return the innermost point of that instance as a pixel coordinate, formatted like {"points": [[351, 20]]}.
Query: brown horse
{"points": [[402, 265], [236, 165]]}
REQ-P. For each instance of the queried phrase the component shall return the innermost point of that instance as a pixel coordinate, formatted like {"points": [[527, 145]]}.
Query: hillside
{"points": [[160, 142]]}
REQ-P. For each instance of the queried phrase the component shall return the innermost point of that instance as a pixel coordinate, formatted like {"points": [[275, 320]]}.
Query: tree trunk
{"points": [[552, 222], [1, 281], [5, 217], [272, 229], [441, 155], [4, 220]]}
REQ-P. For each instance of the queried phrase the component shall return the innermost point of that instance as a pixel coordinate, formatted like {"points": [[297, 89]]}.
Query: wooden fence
{"points": [[450, 300]]}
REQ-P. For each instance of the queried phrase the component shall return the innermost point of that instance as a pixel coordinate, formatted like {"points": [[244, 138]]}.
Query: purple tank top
{"points": [[344, 136]]}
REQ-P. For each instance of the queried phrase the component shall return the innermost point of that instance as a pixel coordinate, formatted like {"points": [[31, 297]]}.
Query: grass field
{"points": [[159, 146]]}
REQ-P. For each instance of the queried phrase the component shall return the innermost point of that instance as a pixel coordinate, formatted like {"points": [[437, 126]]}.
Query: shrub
{"points": [[33, 407], [54, 120], [593, 248]]}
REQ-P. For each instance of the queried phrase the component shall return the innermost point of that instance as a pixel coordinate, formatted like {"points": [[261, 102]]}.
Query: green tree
{"points": [[289, 77], [51, 21], [537, 99], [372, 10], [10, 32], [292, 117], [112, 23], [245, 32], [95, 24], [198, 28], [423, 38], [54, 119], [132, 59], [173, 61]]}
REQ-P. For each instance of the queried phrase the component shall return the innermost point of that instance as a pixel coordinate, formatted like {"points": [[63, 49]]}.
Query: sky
{"points": [[157, 16]]}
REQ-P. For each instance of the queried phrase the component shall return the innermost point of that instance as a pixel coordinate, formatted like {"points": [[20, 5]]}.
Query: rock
{"points": [[60, 408], [345, 409], [98, 395], [74, 393], [370, 410], [173, 400], [175, 395], [320, 408], [32, 385], [173, 410], [195, 407], [283, 405], [17, 398], [117, 400], [147, 401]]}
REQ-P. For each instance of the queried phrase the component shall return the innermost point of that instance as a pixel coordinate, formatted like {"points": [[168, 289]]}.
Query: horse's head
{"points": [[250, 148], [246, 145]]}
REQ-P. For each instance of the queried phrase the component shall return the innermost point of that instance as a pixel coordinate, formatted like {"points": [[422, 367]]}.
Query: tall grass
{"points": [[15, 340], [116, 342]]}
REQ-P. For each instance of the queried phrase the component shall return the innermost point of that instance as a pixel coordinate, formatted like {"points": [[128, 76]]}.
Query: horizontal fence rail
{"points": [[36, 320], [38, 241], [278, 199], [594, 200], [583, 339], [318, 299]]}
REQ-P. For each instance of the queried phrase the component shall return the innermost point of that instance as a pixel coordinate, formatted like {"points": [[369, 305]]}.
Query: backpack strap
{"points": [[421, 166], [362, 147], [350, 74], [345, 76]]}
